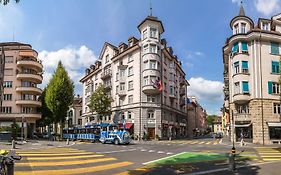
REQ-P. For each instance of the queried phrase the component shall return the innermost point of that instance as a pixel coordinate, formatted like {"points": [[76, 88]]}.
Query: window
{"points": [[130, 58], [8, 72], [165, 100], [236, 88], [9, 59], [130, 85], [8, 84], [245, 69], [150, 114], [243, 28], [145, 48], [29, 110], [146, 65], [145, 82], [273, 88], [275, 67], [274, 48], [122, 73], [265, 26], [120, 102], [236, 68], [242, 108], [153, 33], [117, 76], [79, 121], [117, 87], [165, 86], [276, 108], [130, 71], [122, 86], [6, 109], [151, 98], [153, 48], [144, 34], [244, 46], [171, 77], [130, 99], [106, 58], [236, 29], [129, 115], [235, 48], [7, 97], [171, 90], [245, 86], [152, 64]]}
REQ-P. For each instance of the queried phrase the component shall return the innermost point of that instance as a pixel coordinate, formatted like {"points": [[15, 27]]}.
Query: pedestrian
{"points": [[242, 139]]}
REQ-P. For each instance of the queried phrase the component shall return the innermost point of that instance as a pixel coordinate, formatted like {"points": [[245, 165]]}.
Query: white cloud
{"points": [[267, 7], [208, 93], [199, 53], [11, 21], [238, 2], [74, 59]]}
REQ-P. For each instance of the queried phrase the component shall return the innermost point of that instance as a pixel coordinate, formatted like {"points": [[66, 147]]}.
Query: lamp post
{"points": [[22, 127]]}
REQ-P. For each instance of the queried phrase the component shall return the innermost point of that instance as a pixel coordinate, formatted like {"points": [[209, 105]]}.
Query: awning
{"points": [[243, 125], [274, 124], [127, 125]]}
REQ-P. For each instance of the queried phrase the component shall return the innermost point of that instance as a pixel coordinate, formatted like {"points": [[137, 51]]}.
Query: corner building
{"points": [[251, 58], [22, 75], [129, 73]]}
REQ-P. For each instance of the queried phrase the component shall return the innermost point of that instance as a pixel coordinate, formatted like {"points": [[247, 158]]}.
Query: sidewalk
{"points": [[35, 144]]}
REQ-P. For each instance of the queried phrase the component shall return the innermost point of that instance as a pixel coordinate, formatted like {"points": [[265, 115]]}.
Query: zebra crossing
{"points": [[269, 153], [191, 142], [66, 161]]}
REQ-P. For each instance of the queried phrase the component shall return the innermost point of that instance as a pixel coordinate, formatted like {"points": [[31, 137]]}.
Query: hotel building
{"points": [[129, 73], [251, 58]]}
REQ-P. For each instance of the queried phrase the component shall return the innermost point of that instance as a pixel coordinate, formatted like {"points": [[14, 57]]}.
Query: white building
{"points": [[130, 72]]}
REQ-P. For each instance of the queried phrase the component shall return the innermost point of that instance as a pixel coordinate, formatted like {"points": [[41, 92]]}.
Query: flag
{"points": [[157, 84]]}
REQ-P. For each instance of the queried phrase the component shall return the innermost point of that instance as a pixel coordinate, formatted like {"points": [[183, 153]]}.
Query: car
{"points": [[218, 135]]}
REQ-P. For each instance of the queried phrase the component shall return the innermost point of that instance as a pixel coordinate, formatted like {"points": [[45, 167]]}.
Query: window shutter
{"points": [[244, 64], [245, 86], [244, 46], [235, 48], [275, 67], [275, 48], [269, 87]]}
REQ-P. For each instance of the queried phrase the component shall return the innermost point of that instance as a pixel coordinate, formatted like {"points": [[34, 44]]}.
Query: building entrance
{"points": [[151, 133]]}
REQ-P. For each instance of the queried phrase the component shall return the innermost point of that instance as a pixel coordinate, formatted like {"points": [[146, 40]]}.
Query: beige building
{"points": [[22, 75], [251, 73], [197, 118], [74, 114], [146, 81]]}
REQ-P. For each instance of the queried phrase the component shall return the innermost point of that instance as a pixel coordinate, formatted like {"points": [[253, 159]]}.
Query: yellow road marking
{"points": [[46, 152], [194, 142], [77, 162], [53, 154], [201, 142], [76, 170], [63, 158], [208, 143]]}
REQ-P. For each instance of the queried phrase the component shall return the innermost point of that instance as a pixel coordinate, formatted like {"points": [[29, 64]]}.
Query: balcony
{"points": [[151, 72], [122, 93], [242, 117], [106, 74], [28, 53], [241, 98], [30, 63], [150, 89], [32, 90], [36, 78], [172, 95], [108, 86], [27, 102]]}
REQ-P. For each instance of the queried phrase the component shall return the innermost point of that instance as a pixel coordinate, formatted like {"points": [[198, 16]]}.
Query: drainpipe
{"points": [[262, 117]]}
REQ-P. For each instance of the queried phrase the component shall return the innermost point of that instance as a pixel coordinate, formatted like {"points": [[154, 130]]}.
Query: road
{"points": [[136, 158]]}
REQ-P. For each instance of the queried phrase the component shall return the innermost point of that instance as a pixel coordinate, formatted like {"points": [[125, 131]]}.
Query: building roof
{"points": [[13, 44], [241, 11], [151, 18]]}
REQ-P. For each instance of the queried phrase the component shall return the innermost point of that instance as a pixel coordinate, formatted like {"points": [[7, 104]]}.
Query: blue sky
{"points": [[75, 31]]}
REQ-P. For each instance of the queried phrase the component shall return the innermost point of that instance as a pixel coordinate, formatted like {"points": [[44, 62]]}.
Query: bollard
{"points": [[231, 160], [13, 144], [10, 167], [67, 141]]}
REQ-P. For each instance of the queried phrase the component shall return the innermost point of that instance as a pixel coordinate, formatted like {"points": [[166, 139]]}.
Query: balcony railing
{"points": [[106, 74]]}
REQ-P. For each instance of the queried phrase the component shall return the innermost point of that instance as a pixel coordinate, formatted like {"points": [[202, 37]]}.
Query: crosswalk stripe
{"points": [[208, 143], [77, 162], [52, 154], [201, 142], [82, 170], [63, 158]]}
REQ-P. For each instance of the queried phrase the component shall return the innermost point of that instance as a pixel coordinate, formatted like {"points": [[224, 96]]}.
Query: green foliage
{"points": [[5, 2], [211, 119], [47, 115], [100, 102], [59, 94]]}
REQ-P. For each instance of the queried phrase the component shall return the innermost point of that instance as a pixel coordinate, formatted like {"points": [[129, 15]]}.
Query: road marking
{"points": [[119, 151], [50, 154], [201, 142], [77, 162], [163, 158], [151, 151], [208, 143], [63, 158], [169, 153], [160, 152], [143, 150], [82, 170]]}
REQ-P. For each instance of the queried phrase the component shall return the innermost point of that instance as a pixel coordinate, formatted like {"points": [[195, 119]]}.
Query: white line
{"points": [[143, 150], [151, 151], [163, 158], [224, 169], [169, 153], [119, 151], [160, 152]]}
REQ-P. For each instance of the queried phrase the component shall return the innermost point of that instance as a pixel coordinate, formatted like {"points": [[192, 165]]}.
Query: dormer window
{"points": [[243, 28], [106, 58], [153, 32], [236, 29], [265, 26], [144, 34]]}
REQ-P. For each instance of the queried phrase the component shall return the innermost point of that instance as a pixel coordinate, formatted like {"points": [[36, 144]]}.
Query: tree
{"points": [[47, 115], [210, 120], [5, 2], [100, 102], [59, 95]]}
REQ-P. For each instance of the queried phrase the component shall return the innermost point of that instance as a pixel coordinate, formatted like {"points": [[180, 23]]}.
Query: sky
{"points": [[74, 32]]}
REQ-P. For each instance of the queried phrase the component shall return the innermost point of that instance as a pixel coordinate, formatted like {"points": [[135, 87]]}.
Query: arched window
{"points": [[150, 114]]}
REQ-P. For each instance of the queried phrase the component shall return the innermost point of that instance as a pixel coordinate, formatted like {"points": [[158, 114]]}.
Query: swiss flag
{"points": [[158, 85]]}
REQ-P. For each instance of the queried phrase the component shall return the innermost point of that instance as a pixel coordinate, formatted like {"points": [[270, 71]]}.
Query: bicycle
{"points": [[7, 159]]}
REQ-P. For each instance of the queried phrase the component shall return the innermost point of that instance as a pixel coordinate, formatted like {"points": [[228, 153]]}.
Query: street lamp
{"points": [[22, 128]]}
